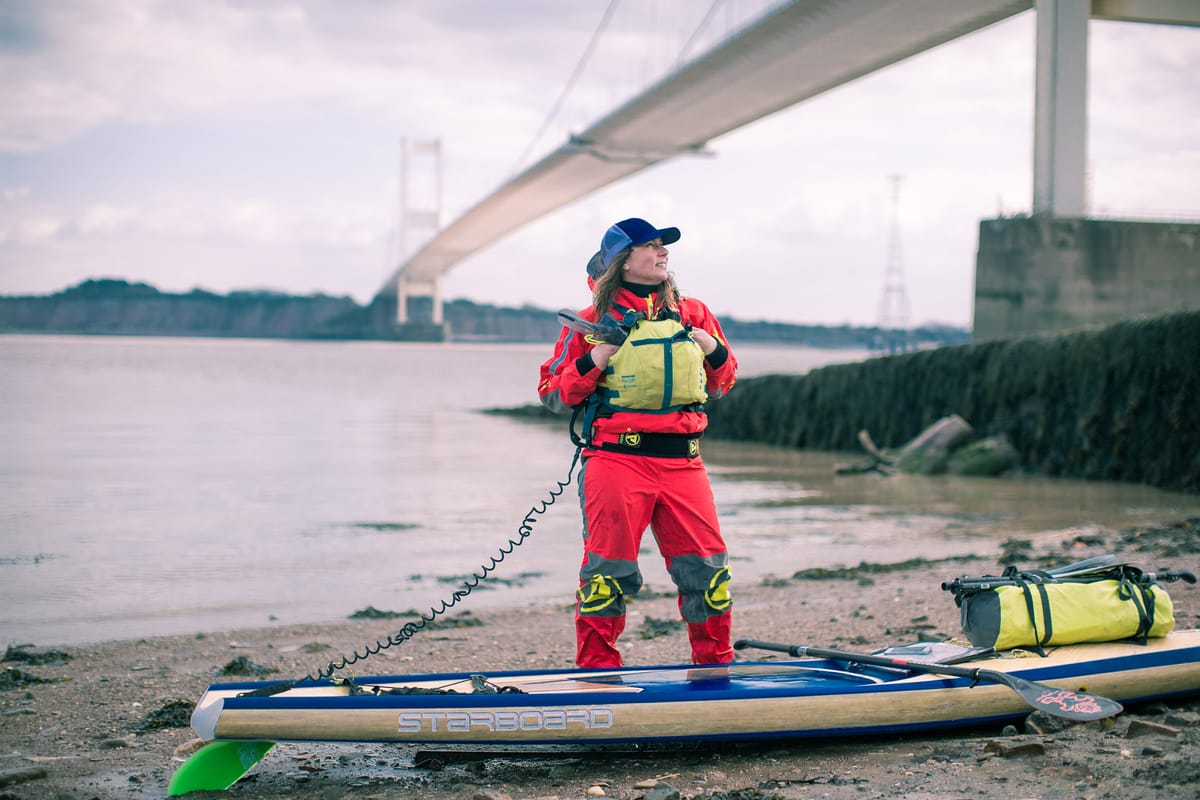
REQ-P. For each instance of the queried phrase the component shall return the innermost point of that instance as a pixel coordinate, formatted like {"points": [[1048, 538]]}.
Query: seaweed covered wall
{"points": [[1119, 403]]}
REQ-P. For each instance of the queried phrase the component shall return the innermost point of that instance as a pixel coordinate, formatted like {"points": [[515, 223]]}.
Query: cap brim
{"points": [[595, 265], [667, 235]]}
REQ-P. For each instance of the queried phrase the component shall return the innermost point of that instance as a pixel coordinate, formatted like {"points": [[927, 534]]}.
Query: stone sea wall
{"points": [[1120, 403]]}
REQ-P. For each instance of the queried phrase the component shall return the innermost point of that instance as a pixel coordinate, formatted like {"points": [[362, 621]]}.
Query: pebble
{"points": [[596, 791], [1041, 722], [1014, 750], [490, 794], [187, 748]]}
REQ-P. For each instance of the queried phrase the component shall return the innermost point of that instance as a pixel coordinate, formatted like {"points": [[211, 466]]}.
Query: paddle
{"points": [[216, 766], [1096, 566], [1064, 703]]}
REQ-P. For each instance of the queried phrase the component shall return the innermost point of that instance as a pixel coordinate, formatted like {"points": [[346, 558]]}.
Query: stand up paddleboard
{"points": [[899, 690]]}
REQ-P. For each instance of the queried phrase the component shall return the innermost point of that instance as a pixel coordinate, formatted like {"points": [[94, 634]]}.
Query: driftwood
{"points": [[945, 446]]}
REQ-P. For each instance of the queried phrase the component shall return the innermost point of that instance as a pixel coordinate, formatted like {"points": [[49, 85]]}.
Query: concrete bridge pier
{"points": [[419, 314], [1058, 269]]}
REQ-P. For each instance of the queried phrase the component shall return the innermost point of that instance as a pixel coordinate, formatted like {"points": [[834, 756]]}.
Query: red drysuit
{"points": [[660, 482]]}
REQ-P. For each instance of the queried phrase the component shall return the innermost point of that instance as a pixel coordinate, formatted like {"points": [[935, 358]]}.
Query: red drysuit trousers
{"points": [[621, 495]]}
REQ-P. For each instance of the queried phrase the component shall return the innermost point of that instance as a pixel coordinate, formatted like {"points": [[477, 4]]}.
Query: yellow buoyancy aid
{"points": [[659, 368]]}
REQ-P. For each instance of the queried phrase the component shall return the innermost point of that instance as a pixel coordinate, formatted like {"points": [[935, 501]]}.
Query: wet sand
{"points": [[86, 726]]}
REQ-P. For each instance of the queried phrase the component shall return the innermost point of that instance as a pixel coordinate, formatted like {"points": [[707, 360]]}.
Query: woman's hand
{"points": [[601, 353], [707, 342]]}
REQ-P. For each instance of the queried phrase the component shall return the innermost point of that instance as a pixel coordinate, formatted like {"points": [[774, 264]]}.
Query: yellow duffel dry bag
{"points": [[1037, 609]]}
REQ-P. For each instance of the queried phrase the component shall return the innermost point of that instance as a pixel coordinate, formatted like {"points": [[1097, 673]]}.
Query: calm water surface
{"points": [[154, 486]]}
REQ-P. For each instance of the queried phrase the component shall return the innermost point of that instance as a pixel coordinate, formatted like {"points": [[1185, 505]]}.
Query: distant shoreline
{"points": [[117, 307]]}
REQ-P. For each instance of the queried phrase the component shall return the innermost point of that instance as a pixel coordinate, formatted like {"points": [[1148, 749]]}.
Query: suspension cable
{"points": [[583, 59]]}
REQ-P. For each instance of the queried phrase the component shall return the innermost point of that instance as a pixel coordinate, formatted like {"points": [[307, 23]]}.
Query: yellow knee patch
{"points": [[598, 594], [717, 594]]}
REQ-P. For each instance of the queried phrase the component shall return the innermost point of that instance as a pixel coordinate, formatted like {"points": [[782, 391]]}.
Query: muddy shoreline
{"points": [[108, 720]]}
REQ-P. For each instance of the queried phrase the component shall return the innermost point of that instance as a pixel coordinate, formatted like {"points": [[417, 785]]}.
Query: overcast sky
{"points": [[224, 145]]}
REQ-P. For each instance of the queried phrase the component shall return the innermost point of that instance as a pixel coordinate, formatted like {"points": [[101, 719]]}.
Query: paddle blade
{"points": [[216, 766], [1065, 703]]}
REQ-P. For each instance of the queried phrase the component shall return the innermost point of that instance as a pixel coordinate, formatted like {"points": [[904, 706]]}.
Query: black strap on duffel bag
{"points": [[1095, 600]]}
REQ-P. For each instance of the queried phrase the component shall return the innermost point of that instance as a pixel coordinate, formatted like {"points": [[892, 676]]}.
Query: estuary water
{"points": [[154, 486]]}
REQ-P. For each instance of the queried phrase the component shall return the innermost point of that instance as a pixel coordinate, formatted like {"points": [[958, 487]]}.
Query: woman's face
{"points": [[647, 263]]}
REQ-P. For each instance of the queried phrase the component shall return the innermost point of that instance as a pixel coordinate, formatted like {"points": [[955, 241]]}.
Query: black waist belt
{"points": [[656, 445]]}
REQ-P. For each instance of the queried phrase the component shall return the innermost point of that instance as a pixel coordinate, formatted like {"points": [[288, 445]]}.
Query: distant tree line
{"points": [[118, 307]]}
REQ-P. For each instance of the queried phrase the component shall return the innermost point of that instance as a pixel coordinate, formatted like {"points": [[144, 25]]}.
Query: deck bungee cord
{"points": [[411, 629]]}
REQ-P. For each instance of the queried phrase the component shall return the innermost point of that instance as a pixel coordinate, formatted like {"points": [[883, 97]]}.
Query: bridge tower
{"points": [[893, 305], [419, 301]]}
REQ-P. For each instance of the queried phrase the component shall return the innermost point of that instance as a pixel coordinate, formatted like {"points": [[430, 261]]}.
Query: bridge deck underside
{"points": [[795, 53]]}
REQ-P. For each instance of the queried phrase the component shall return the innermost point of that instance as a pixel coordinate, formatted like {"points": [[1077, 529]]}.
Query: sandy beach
{"points": [[109, 720]]}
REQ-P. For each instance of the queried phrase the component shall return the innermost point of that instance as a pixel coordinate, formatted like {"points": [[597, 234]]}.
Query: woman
{"points": [[641, 402]]}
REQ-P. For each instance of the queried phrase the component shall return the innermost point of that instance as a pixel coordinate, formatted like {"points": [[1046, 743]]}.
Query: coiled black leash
{"points": [[524, 531]]}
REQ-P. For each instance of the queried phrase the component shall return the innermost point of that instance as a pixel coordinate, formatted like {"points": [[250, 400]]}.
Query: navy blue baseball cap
{"points": [[627, 233]]}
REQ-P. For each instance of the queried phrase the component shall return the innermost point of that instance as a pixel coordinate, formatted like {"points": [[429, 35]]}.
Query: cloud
{"points": [[231, 143], [76, 65], [105, 220]]}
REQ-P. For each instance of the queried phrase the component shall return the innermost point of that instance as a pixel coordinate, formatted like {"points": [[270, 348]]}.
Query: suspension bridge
{"points": [[792, 52]]}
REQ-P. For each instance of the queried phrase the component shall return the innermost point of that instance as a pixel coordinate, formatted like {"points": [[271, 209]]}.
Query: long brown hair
{"points": [[606, 288]]}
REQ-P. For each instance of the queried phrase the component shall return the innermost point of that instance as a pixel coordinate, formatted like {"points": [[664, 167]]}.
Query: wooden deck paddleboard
{"points": [[679, 703]]}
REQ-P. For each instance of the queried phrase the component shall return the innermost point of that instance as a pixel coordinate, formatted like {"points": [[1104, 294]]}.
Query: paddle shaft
{"points": [[1065, 703], [800, 651]]}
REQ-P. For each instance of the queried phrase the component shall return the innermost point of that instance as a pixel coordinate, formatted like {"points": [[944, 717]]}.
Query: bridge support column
{"points": [[419, 311], [419, 300], [1060, 108]]}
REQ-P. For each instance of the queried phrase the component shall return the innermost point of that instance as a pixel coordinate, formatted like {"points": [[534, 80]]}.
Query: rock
{"points": [[114, 744], [187, 748], [490, 794], [1043, 723], [945, 446], [986, 457], [596, 791], [929, 453], [1182, 719], [1141, 727], [9, 777], [1016, 749], [663, 791]]}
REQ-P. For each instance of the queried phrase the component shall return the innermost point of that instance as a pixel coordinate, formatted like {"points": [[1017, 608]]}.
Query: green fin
{"points": [[216, 766]]}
